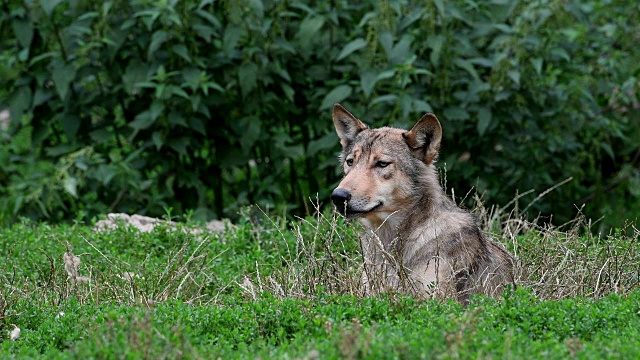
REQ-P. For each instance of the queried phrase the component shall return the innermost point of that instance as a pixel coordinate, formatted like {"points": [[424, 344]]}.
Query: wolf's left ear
{"points": [[347, 125], [424, 138]]}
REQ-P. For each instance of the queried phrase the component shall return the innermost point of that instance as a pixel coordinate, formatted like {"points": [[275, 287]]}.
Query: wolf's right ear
{"points": [[424, 138], [347, 125]]}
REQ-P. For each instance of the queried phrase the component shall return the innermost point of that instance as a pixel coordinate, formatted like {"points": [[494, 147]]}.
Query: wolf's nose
{"points": [[339, 197]]}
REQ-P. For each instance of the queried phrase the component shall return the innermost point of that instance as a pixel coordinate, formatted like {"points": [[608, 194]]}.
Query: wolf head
{"points": [[385, 169]]}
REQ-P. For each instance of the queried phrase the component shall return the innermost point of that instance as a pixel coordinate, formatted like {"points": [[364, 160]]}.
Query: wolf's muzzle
{"points": [[340, 198]]}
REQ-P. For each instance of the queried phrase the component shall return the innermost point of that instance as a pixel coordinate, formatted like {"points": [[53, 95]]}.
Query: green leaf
{"points": [[387, 74], [401, 51], [368, 79], [195, 102], [365, 19], [328, 141], [149, 16], [192, 77], [70, 125], [20, 103], [142, 121], [247, 77], [440, 5], [484, 120], [503, 95], [514, 75], [228, 157], [100, 136], [182, 51], [352, 46], [422, 106], [159, 37], [386, 40], [19, 200], [389, 98], [63, 76], [435, 43], [70, 185], [211, 85], [283, 73], [561, 53], [156, 109], [467, 66], [288, 91], [204, 110], [41, 96], [156, 138], [206, 32], [175, 118], [249, 132], [62, 149], [537, 64], [230, 38], [477, 87], [309, 27], [49, 5], [198, 125], [146, 118], [455, 113], [23, 29], [406, 105], [504, 28], [336, 95], [607, 148], [180, 145], [174, 90], [209, 17], [482, 62], [34, 60], [136, 73], [258, 8]]}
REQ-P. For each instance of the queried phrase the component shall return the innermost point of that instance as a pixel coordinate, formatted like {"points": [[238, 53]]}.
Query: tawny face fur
{"points": [[383, 167], [375, 167]]}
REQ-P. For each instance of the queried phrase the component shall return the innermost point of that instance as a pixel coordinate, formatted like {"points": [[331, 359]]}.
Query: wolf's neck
{"points": [[429, 199], [430, 204]]}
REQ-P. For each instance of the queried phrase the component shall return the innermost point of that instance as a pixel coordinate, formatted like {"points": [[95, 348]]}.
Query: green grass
{"points": [[263, 289]]}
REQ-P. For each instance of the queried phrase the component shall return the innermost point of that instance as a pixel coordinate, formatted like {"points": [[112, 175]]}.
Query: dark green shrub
{"points": [[138, 106]]}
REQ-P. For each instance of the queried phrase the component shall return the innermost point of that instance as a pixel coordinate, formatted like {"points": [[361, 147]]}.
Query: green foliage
{"points": [[185, 301], [208, 106], [335, 328]]}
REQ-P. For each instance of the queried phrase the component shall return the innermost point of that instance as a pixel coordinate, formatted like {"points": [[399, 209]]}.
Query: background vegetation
{"points": [[207, 106], [273, 289]]}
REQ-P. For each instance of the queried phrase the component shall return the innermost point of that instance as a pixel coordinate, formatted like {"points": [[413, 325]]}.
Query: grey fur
{"points": [[417, 240]]}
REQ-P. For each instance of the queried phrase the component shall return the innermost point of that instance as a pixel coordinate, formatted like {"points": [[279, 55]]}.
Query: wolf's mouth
{"points": [[351, 212]]}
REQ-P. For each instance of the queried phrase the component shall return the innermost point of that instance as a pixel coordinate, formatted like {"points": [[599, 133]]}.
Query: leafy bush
{"points": [[207, 106]]}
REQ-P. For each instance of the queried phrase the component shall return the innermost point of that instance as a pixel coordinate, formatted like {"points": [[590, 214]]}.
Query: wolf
{"points": [[417, 239]]}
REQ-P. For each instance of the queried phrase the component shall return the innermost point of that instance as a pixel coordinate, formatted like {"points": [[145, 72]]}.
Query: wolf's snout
{"points": [[339, 197]]}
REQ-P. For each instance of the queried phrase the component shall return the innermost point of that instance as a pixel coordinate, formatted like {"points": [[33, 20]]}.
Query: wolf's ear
{"points": [[424, 138], [347, 125]]}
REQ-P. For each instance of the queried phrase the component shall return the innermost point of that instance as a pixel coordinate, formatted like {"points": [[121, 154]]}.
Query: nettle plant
{"points": [[213, 105]]}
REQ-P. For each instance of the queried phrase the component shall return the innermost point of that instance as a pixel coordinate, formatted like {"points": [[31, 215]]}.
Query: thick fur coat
{"points": [[417, 240]]}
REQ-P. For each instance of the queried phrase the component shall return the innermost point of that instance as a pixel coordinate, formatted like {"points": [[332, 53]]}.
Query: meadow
{"points": [[203, 108], [267, 287]]}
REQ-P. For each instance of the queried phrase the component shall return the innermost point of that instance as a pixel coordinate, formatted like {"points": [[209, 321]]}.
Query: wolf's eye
{"points": [[382, 164], [349, 162]]}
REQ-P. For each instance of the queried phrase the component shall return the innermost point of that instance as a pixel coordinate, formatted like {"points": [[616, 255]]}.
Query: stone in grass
{"points": [[15, 333], [147, 224]]}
